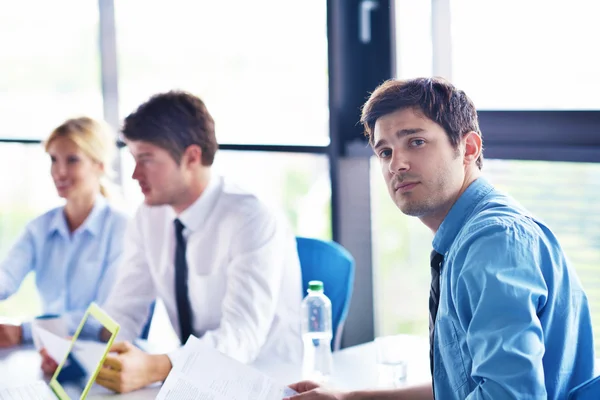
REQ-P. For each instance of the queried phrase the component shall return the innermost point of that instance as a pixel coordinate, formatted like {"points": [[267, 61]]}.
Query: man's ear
{"points": [[473, 145], [192, 155]]}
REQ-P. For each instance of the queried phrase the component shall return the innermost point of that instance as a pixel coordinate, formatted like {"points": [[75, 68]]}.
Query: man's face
{"points": [[161, 179], [424, 173]]}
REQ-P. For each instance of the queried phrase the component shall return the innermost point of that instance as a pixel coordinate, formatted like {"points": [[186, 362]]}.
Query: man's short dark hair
{"points": [[436, 98], [174, 121]]}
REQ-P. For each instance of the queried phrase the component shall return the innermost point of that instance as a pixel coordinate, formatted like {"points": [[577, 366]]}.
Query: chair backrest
{"points": [[588, 390], [332, 264]]}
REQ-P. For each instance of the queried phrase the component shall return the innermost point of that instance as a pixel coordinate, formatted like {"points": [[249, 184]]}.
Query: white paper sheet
{"points": [[56, 346], [205, 374]]}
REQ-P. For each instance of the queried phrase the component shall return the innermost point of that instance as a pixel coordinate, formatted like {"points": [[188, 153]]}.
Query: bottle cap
{"points": [[315, 286]]}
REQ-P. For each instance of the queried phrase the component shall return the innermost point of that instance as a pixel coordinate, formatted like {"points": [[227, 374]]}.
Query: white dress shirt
{"points": [[244, 278]]}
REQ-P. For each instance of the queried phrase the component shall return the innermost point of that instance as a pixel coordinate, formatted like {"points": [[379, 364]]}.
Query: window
{"points": [[263, 78], [50, 65], [532, 54], [413, 38], [401, 247], [297, 184], [23, 197], [564, 195]]}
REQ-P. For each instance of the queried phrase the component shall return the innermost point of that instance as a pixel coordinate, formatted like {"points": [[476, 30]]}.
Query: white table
{"points": [[354, 368]]}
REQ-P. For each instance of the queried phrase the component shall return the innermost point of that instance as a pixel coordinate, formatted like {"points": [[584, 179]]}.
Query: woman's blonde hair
{"points": [[94, 138]]}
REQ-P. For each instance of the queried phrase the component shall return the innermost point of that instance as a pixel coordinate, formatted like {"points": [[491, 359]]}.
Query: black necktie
{"points": [[434, 299], [184, 310]]}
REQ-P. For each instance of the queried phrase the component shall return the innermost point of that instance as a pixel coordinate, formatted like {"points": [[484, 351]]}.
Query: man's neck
{"points": [[194, 191], [435, 219]]}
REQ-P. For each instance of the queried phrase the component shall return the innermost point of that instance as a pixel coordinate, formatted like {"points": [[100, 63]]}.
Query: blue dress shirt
{"points": [[513, 320], [72, 269]]}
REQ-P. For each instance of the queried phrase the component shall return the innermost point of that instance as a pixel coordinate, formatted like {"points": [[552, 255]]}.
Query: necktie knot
{"points": [[436, 260], [179, 227]]}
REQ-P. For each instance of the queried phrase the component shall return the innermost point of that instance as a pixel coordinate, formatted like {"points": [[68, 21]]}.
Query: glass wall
{"points": [[413, 38], [50, 65], [24, 196], [563, 195], [534, 54], [401, 247], [296, 184], [262, 70]]}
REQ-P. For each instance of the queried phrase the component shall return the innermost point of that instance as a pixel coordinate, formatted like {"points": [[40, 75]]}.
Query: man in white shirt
{"points": [[224, 265]]}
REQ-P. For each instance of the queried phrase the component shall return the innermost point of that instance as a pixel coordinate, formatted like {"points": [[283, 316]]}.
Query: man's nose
{"points": [[136, 173], [399, 162]]}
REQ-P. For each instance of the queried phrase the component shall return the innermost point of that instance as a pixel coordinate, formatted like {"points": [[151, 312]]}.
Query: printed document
{"points": [[204, 373]]}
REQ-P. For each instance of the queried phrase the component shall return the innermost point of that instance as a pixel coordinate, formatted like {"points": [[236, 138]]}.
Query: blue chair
{"points": [[332, 264], [588, 390]]}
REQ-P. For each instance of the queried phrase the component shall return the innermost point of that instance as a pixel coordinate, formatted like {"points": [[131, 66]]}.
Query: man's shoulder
{"points": [[235, 190], [239, 206], [236, 199], [500, 215]]}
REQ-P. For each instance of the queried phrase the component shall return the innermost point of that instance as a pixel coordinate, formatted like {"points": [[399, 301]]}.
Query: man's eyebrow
{"points": [[411, 131], [144, 155], [379, 143], [400, 133]]}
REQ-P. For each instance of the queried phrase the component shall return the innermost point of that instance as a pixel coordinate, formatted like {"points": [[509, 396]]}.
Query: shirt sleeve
{"points": [[128, 303], [15, 266], [27, 332], [499, 292], [253, 286]]}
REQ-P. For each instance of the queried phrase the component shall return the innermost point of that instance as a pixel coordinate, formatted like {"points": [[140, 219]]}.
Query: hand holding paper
{"points": [[55, 347], [49, 365]]}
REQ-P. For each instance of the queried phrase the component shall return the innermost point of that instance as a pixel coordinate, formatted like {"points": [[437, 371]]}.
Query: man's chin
{"points": [[151, 201], [412, 209]]}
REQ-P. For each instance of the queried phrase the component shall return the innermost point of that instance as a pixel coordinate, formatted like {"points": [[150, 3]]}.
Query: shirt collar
{"points": [[92, 224], [458, 214], [195, 215]]}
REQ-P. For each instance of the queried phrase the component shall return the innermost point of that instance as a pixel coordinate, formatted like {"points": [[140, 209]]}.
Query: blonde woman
{"points": [[73, 249]]}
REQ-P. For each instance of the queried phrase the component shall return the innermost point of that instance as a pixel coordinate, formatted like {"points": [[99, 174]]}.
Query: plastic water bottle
{"points": [[317, 363]]}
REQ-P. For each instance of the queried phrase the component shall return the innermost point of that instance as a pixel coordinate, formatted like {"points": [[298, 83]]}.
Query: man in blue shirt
{"points": [[510, 318]]}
